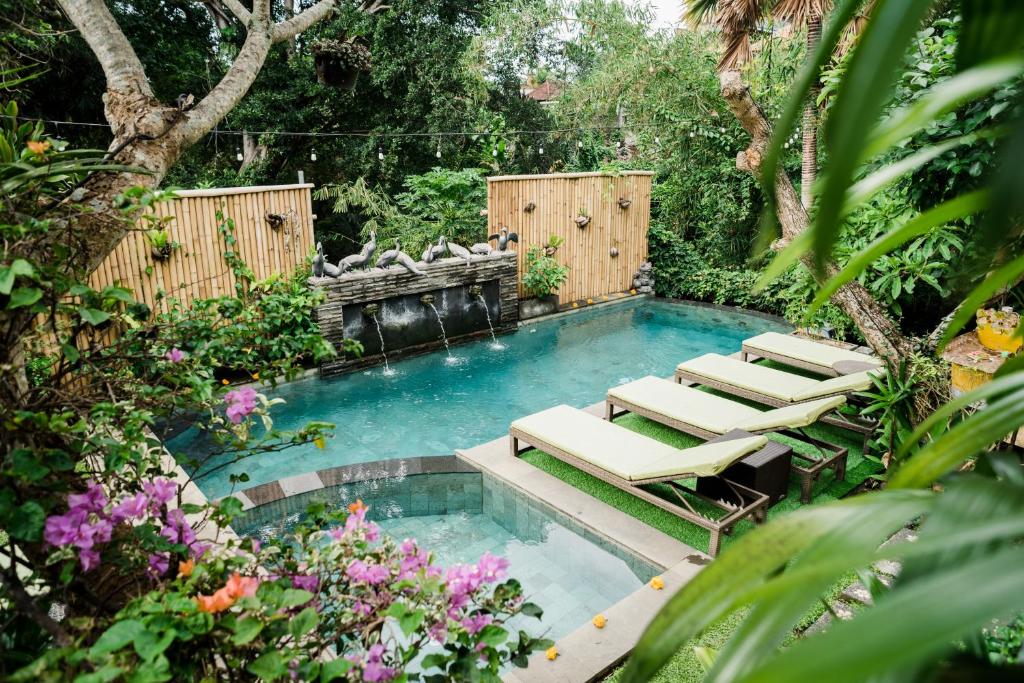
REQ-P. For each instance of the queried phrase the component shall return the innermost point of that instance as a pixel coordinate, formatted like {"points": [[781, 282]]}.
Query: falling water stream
{"points": [[444, 335], [495, 344], [387, 368]]}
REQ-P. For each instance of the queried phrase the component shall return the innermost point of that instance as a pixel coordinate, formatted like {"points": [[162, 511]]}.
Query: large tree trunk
{"points": [[809, 165], [879, 330]]}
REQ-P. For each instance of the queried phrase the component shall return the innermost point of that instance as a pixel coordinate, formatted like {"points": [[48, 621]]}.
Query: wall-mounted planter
{"points": [[161, 253], [624, 203], [538, 306], [582, 221], [275, 220], [529, 208]]}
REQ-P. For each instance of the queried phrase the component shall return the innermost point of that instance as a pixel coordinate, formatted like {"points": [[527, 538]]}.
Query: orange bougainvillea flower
{"points": [[239, 586], [256, 376], [599, 621], [657, 583], [357, 506], [218, 602], [185, 568], [224, 382], [38, 147], [552, 653]]}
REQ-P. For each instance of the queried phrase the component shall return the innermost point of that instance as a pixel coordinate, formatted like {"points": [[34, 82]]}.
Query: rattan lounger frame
{"points": [[833, 456], [835, 419], [752, 504]]}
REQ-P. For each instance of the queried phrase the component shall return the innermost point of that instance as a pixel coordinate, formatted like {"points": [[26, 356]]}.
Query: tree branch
{"points": [[121, 66], [238, 9], [300, 22]]}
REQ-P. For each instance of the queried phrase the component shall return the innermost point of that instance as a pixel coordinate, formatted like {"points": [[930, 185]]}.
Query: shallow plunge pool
{"points": [[432, 406], [459, 516]]}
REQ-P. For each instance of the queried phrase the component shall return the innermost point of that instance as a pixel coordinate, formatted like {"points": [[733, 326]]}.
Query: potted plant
{"points": [[582, 220], [554, 242], [339, 62], [161, 244], [542, 278], [996, 328]]}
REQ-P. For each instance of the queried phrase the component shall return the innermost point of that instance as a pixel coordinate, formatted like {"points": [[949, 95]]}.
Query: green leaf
{"points": [[935, 608], [863, 92], [938, 101], [269, 666], [293, 597], [116, 637], [784, 259], [24, 296], [149, 645], [246, 630], [93, 316], [9, 273], [991, 28], [733, 578], [305, 621], [531, 610], [921, 224], [71, 353], [334, 669], [27, 466], [26, 524], [493, 635]]}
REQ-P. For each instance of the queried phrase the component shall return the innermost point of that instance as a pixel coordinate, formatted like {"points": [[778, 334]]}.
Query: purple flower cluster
{"points": [[241, 403], [175, 355], [90, 521], [374, 670]]}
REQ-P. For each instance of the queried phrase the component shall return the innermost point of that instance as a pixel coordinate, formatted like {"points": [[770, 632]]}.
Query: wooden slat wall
{"points": [[197, 269], [559, 198]]}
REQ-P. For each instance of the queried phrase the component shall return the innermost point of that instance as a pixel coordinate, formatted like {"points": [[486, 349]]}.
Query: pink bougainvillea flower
{"points": [[241, 403], [476, 623], [175, 355], [131, 507], [89, 559], [159, 563], [492, 568], [306, 582], [160, 491], [370, 573], [93, 500]]}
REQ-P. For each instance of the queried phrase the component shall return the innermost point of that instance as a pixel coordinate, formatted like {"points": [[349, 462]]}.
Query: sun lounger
{"points": [[634, 462], [707, 416], [774, 387], [807, 354]]}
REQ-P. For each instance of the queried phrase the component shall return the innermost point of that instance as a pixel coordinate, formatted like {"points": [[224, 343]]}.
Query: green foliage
{"points": [[1005, 643], [962, 572], [439, 202], [543, 274]]}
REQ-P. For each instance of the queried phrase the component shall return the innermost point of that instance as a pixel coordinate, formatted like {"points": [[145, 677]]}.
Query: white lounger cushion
{"points": [[784, 386], [805, 350], [625, 453], [714, 413]]}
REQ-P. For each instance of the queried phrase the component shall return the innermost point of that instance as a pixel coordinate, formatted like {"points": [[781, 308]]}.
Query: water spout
{"points": [[428, 300], [371, 310]]}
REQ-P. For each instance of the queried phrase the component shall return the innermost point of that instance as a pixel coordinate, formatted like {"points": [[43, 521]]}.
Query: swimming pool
{"points": [[431, 407], [460, 516]]}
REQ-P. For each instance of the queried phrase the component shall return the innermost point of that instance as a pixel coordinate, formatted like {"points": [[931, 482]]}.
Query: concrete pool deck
{"points": [[589, 653]]}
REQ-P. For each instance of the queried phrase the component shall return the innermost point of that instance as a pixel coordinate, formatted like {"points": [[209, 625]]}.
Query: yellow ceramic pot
{"points": [[998, 340]]}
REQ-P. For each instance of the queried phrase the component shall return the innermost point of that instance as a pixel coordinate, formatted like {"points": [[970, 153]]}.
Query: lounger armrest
{"points": [[843, 384], [793, 416]]}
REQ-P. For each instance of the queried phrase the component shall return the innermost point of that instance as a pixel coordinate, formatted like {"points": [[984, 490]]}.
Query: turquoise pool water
{"points": [[460, 516], [431, 407]]}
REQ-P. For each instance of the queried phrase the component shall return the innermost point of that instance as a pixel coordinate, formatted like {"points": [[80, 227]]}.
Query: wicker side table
{"points": [[766, 471]]}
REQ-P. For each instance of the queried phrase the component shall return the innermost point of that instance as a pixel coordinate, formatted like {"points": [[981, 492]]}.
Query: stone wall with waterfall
{"points": [[468, 298]]}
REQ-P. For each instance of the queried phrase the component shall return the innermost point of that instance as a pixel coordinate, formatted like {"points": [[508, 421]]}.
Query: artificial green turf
{"points": [[825, 488]]}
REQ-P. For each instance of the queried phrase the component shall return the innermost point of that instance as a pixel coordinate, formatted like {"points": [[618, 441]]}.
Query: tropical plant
{"points": [[543, 274], [964, 570]]}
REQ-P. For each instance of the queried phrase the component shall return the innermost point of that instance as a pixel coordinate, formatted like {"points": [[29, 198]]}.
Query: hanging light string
{"points": [[538, 133]]}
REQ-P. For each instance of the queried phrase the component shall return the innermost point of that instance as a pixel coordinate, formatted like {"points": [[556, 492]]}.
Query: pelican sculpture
{"points": [[460, 252], [389, 256], [481, 248], [407, 262], [504, 237], [435, 251], [362, 259]]}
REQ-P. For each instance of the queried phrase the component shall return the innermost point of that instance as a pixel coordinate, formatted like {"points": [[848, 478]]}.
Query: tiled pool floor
{"points": [[570, 578]]}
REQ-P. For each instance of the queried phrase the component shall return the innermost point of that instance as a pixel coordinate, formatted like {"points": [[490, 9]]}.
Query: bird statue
{"points": [[319, 261], [460, 252], [406, 262], [388, 257], [360, 260], [435, 251], [504, 237], [481, 248]]}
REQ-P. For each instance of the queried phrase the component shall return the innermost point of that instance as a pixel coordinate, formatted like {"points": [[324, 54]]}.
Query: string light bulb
{"points": [[312, 155], [657, 140], [540, 150], [380, 154], [438, 152], [238, 154], [579, 144]]}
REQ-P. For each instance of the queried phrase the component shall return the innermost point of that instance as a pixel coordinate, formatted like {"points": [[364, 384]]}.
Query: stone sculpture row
{"points": [[361, 261]]}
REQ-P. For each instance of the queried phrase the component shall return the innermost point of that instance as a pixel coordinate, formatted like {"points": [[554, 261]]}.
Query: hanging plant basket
{"points": [[339, 62], [582, 221], [161, 253], [624, 203]]}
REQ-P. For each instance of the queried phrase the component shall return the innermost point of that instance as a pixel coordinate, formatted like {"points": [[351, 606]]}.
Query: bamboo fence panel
{"points": [[197, 268], [559, 198]]}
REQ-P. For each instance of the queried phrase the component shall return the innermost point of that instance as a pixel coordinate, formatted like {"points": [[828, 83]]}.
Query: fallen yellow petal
{"points": [[657, 583], [224, 382], [320, 442], [552, 653], [575, 305], [590, 301], [599, 621], [256, 375]]}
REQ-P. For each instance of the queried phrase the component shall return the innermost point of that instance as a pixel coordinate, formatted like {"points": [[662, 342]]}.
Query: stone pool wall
{"points": [[408, 325]]}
